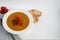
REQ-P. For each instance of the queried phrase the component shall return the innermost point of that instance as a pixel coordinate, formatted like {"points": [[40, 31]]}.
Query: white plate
{"points": [[12, 31]]}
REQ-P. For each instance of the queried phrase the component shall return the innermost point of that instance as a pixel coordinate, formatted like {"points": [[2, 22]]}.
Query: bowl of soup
{"points": [[17, 21]]}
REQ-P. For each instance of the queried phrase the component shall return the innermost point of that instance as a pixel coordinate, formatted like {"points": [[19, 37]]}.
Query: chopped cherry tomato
{"points": [[1, 11], [20, 22], [2, 8], [5, 11], [17, 17]]}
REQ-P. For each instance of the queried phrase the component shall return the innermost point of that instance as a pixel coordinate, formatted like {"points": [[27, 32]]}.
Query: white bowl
{"points": [[12, 31]]}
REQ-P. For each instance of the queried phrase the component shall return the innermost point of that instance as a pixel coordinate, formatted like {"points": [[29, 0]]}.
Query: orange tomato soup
{"points": [[17, 21]]}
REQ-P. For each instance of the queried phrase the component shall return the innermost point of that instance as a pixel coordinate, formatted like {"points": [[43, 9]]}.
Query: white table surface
{"points": [[48, 25]]}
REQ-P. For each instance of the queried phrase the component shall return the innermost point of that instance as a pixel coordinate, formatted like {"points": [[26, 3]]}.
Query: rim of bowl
{"points": [[9, 29]]}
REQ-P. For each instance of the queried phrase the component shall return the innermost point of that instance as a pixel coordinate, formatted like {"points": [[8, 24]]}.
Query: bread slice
{"points": [[34, 16], [36, 12]]}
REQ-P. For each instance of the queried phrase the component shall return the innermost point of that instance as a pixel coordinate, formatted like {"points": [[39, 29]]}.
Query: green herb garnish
{"points": [[14, 21]]}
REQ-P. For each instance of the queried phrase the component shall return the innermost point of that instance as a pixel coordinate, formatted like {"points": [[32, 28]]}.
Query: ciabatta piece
{"points": [[34, 17], [36, 12]]}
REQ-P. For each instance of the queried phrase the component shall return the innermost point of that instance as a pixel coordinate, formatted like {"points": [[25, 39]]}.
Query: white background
{"points": [[48, 25]]}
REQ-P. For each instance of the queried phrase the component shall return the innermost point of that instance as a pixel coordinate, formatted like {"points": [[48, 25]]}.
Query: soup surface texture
{"points": [[17, 21]]}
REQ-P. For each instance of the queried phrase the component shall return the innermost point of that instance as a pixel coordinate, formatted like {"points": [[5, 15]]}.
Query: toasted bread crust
{"points": [[35, 13], [34, 17]]}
